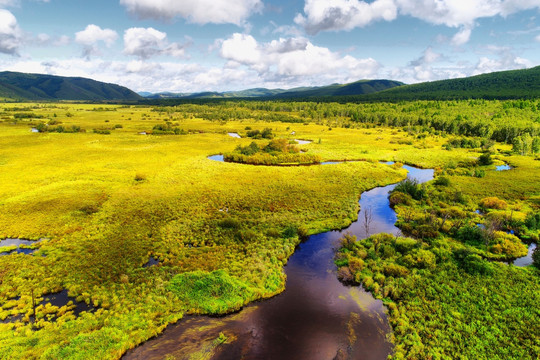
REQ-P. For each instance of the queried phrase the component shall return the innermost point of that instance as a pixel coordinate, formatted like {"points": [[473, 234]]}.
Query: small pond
{"points": [[303, 142], [18, 242], [526, 260], [234, 135], [503, 167], [152, 261]]}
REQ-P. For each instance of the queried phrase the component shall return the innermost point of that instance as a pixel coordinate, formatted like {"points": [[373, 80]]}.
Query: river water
{"points": [[316, 317]]}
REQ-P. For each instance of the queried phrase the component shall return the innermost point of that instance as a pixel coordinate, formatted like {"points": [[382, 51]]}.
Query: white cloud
{"points": [[10, 33], [93, 34], [199, 11], [502, 58], [462, 37], [147, 42], [537, 38], [344, 14], [294, 58], [241, 48], [322, 15]]}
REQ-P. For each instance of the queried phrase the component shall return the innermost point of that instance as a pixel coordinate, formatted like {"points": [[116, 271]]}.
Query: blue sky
{"points": [[201, 45]]}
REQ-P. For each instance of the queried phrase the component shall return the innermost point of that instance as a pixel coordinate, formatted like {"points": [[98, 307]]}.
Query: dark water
{"points": [[61, 299], [151, 262], [18, 243], [57, 299], [526, 260], [316, 317]]}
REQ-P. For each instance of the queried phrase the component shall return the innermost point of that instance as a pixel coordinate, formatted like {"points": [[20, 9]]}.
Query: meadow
{"points": [[109, 187]]}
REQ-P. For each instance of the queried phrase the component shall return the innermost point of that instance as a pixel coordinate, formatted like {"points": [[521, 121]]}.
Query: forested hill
{"points": [[355, 88], [513, 84], [21, 86]]}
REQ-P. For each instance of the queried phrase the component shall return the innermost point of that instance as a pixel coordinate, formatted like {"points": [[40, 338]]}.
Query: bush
{"points": [[411, 187], [395, 270], [442, 181], [470, 234], [229, 223], [536, 257], [140, 177], [508, 245], [214, 293], [485, 159], [493, 202], [397, 198]]}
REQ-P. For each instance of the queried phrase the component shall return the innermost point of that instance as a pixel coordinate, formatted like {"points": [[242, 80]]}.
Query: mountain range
{"points": [[38, 87], [513, 84], [355, 88]]}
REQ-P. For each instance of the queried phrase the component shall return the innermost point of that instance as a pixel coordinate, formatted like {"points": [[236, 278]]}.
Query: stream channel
{"points": [[316, 317]]}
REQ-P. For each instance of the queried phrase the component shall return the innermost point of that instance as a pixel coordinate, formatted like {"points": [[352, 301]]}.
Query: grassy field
{"points": [[107, 198]]}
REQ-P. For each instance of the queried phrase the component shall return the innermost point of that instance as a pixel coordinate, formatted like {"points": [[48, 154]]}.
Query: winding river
{"points": [[316, 317]]}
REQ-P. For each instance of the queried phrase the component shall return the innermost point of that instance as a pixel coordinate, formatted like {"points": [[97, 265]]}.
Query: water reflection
{"points": [[316, 317]]}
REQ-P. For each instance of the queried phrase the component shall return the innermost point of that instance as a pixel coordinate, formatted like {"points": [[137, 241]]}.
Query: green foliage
{"points": [[411, 187], [471, 234], [434, 298], [214, 293], [49, 87], [167, 129], [276, 152], [442, 181], [257, 134], [536, 257], [513, 84], [485, 159]]}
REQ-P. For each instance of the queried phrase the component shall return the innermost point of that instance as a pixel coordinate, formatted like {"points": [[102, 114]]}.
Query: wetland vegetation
{"points": [[106, 199]]}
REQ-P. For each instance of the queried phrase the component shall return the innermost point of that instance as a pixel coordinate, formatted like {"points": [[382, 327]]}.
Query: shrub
{"points": [[470, 234], [229, 223], [536, 257], [273, 233], [344, 274], [395, 270], [404, 245], [290, 231], [493, 202], [442, 181], [213, 293], [508, 245], [397, 198], [140, 177], [485, 159], [411, 187]]}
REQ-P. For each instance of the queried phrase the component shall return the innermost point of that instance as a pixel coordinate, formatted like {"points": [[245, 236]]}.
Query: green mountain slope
{"points": [[356, 88], [513, 84], [22, 86]]}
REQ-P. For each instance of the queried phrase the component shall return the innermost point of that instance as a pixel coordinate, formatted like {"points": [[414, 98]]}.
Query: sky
{"points": [[189, 46]]}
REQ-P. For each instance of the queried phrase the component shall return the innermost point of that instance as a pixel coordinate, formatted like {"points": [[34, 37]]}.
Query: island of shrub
{"points": [[276, 152]]}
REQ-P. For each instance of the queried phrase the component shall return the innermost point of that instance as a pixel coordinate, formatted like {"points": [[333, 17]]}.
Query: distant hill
{"points": [[356, 88], [513, 84], [21, 86]]}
